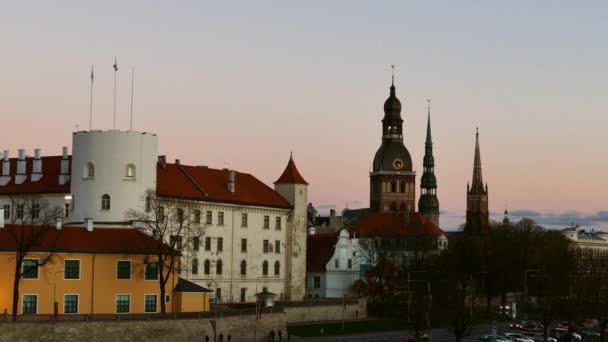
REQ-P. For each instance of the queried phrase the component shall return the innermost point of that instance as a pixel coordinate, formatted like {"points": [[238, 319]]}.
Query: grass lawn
{"points": [[350, 327]]}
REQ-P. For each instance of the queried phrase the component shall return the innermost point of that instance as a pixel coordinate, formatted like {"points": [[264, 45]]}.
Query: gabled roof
{"points": [[206, 184], [48, 184], [319, 250], [389, 224], [291, 175], [184, 285], [79, 240]]}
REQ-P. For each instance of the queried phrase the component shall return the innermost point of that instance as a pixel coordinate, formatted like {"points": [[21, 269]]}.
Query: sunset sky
{"points": [[246, 82]]}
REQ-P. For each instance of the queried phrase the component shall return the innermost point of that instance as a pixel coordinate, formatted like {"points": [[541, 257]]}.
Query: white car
{"points": [[496, 338], [518, 337]]}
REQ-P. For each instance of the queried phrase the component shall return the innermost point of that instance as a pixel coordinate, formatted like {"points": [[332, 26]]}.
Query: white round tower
{"points": [[111, 170]]}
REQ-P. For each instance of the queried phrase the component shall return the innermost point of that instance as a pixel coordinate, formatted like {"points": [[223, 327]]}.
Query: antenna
{"points": [[132, 87], [115, 71], [91, 101]]}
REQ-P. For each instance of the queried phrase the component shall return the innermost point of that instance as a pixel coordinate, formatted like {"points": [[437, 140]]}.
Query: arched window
{"points": [[207, 266], [277, 268], [393, 186], [402, 207], [130, 171], [402, 187], [243, 267], [195, 266], [265, 268], [218, 267], [393, 207], [89, 170], [105, 202]]}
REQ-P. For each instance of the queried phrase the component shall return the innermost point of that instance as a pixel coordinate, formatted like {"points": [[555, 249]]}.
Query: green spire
{"points": [[429, 139], [428, 204]]}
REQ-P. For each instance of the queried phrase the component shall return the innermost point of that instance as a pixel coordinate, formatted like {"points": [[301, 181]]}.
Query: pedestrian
{"points": [[221, 337], [280, 335], [229, 337], [272, 335]]}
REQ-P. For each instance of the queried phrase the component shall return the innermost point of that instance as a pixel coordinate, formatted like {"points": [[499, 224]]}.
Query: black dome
{"points": [[386, 155], [392, 107]]}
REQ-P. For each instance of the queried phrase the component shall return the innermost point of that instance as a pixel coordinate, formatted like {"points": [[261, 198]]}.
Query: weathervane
{"points": [[393, 73]]}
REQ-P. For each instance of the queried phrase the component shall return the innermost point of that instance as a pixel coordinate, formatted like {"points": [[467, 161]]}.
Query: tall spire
{"points": [[477, 185], [393, 80], [429, 139], [428, 204]]}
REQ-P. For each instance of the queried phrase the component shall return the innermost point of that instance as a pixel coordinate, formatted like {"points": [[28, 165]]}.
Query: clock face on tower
{"points": [[398, 164]]}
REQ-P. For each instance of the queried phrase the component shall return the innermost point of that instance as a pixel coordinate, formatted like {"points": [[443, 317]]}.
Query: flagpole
{"points": [[132, 87], [91, 102], [115, 70]]}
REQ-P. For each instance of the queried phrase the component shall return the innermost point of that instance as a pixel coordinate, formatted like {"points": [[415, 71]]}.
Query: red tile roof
{"points": [[79, 240], [48, 184], [291, 175], [388, 224], [319, 250], [206, 184]]}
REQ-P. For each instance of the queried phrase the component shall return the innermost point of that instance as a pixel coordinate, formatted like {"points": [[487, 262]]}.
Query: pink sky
{"points": [[245, 85]]}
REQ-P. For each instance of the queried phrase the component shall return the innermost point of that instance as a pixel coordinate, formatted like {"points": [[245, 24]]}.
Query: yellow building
{"points": [[101, 271]]}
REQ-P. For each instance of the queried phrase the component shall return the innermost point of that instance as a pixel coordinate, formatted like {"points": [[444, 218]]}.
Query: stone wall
{"points": [[242, 328], [316, 313]]}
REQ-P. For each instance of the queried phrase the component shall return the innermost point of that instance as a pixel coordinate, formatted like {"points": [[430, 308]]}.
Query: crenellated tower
{"points": [[428, 204], [478, 215]]}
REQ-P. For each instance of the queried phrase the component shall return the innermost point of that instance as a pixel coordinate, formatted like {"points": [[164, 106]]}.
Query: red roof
{"points": [[319, 250], [205, 184], [48, 184], [291, 175], [388, 224], [79, 240]]}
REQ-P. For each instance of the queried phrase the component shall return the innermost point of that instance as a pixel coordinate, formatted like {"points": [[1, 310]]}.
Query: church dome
{"points": [[392, 107], [392, 156]]}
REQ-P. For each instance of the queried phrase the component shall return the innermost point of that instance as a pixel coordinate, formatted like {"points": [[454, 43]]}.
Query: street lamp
{"points": [[526, 290], [428, 284]]}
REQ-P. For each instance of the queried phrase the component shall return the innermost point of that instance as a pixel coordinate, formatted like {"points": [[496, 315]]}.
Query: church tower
{"points": [[478, 215], [428, 205], [392, 178]]}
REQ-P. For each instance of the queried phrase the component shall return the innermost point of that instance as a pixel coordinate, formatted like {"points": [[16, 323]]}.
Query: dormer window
{"points": [[130, 171], [89, 170]]}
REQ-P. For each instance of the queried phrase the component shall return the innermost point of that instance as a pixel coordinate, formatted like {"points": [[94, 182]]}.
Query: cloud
{"points": [[564, 219], [525, 213], [325, 206]]}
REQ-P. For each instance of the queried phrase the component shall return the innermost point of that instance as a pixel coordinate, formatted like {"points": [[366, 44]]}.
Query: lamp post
{"points": [[526, 290], [428, 284]]}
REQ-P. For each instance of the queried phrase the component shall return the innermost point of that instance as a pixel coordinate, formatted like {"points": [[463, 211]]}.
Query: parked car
{"points": [[495, 338], [533, 327], [518, 337], [588, 323], [539, 337], [517, 324], [560, 333], [587, 332]]}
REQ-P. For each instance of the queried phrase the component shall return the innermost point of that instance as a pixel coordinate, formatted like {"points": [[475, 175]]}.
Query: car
{"points": [[495, 338], [518, 337], [517, 324], [539, 337], [560, 333], [533, 327], [587, 332]]}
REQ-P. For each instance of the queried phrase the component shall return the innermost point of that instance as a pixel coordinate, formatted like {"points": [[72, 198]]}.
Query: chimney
{"points": [[177, 162], [37, 166], [20, 177], [162, 161], [231, 181], [58, 223], [6, 169], [88, 224]]}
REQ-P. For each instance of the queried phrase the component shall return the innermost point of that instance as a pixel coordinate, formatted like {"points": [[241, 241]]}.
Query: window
{"points": [[209, 217], [243, 267], [317, 282], [278, 223], [30, 305], [243, 294], [195, 266], [218, 267], [70, 304], [207, 267], [337, 263], [220, 244], [123, 270], [71, 269], [150, 303], [197, 216], [7, 211], [30, 269], [196, 243], [277, 268], [123, 303], [402, 187], [89, 170], [393, 206], [218, 295], [277, 247], [265, 246], [105, 202], [243, 245], [220, 218], [244, 220], [66, 210], [161, 214], [179, 215], [151, 272], [148, 204], [35, 210], [130, 171], [393, 186], [350, 264], [176, 241], [207, 243], [266, 222], [265, 268], [19, 212], [167, 298]]}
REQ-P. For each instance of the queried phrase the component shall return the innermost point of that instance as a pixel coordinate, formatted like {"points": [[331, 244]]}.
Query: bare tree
{"points": [[31, 231], [175, 225]]}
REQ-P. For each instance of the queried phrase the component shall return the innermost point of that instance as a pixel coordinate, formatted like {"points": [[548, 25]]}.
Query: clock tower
{"points": [[392, 180]]}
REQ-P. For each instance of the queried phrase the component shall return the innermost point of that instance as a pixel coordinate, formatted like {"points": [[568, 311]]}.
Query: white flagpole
{"points": [[115, 70], [132, 87], [91, 102]]}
